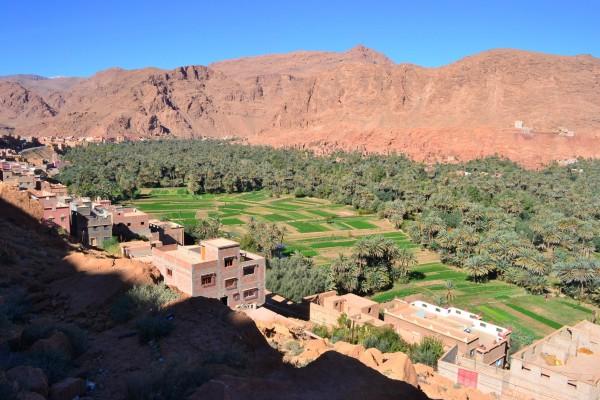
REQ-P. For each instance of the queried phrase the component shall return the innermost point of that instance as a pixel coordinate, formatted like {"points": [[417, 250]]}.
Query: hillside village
{"points": [[477, 360]]}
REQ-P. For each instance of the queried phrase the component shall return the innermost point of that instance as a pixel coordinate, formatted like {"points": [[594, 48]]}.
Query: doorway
{"points": [[224, 300]]}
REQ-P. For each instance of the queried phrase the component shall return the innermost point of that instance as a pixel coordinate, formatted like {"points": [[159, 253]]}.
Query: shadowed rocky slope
{"points": [[357, 99]]}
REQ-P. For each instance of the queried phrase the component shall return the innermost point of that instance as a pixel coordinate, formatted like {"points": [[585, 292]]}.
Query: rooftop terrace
{"points": [[570, 351], [454, 322]]}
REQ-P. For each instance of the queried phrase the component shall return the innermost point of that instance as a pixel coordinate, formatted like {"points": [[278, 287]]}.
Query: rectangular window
{"points": [[249, 270], [169, 272], [236, 296], [229, 261], [129, 224], [424, 305], [142, 223], [230, 283], [482, 325], [250, 294], [207, 280], [458, 312], [437, 309]]}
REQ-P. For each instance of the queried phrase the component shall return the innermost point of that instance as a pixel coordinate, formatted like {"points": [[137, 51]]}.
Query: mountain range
{"points": [[357, 99]]}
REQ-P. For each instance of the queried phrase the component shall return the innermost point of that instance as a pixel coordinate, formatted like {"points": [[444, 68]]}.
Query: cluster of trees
{"points": [[384, 339], [202, 229], [264, 237], [296, 277], [538, 229], [374, 265]]}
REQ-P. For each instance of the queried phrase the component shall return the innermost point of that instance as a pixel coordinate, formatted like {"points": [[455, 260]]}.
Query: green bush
{"points": [[384, 339], [139, 299], [294, 347], [427, 352], [153, 328], [321, 330], [111, 245]]}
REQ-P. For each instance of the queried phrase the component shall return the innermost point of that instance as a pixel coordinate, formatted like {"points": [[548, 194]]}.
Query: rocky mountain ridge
{"points": [[358, 99]]}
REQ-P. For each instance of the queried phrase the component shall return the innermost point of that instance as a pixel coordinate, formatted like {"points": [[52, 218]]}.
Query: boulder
{"points": [[348, 349], [29, 379], [398, 366], [371, 358], [67, 389], [57, 343], [424, 370]]}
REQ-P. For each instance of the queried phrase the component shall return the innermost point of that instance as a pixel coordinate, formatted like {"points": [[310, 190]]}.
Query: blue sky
{"points": [[78, 38]]}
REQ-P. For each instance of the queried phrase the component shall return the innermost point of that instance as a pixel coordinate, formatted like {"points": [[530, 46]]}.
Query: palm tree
{"points": [[449, 291], [344, 274], [406, 259], [581, 272], [532, 261], [478, 267]]}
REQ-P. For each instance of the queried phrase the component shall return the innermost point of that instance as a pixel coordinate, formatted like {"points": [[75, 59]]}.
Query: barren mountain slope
{"points": [[355, 99]]}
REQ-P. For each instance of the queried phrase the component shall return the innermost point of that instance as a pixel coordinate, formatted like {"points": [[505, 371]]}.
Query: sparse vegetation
{"points": [[140, 299]]}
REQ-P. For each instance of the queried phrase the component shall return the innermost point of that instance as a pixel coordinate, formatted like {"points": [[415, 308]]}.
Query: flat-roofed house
{"points": [[57, 188], [215, 268], [167, 232], [91, 222], [480, 340], [129, 222], [56, 212], [325, 308]]}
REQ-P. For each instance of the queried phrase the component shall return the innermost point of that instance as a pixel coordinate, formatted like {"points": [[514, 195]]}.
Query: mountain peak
{"points": [[367, 54]]}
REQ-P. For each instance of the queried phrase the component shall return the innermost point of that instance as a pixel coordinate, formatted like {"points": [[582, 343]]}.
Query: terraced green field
{"points": [[314, 227], [496, 301]]}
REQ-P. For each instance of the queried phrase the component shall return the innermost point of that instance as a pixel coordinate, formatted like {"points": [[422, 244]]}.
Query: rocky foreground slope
{"points": [[58, 338], [357, 99]]}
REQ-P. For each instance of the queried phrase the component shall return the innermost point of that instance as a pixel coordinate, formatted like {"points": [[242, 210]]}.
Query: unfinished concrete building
{"points": [[327, 307], [167, 232], [215, 268], [475, 339], [564, 365]]}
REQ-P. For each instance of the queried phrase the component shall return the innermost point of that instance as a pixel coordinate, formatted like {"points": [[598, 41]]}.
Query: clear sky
{"points": [[78, 38]]}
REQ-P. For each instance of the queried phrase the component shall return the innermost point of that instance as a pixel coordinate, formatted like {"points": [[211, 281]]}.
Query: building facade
{"points": [[129, 222], [327, 307], [215, 268], [167, 232], [91, 223], [475, 339]]}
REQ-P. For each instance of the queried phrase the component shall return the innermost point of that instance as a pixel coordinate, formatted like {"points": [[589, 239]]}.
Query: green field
{"points": [[497, 301], [314, 227], [319, 229]]}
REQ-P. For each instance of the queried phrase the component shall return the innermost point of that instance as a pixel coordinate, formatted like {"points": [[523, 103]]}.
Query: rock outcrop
{"points": [[357, 99]]}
